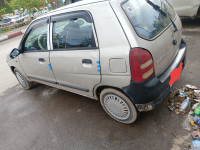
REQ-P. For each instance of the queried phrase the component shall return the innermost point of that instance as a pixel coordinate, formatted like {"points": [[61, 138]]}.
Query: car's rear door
{"points": [[35, 57], [75, 55]]}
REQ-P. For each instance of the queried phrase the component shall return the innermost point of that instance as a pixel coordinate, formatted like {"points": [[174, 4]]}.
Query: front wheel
{"points": [[118, 106], [22, 80]]}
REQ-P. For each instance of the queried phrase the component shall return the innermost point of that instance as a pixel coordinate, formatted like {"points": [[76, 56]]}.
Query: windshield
{"points": [[146, 20]]}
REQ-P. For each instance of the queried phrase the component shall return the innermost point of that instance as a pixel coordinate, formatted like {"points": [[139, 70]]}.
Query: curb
{"points": [[6, 37]]}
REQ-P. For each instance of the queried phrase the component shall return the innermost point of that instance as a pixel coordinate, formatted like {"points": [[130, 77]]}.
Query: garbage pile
{"points": [[184, 101]]}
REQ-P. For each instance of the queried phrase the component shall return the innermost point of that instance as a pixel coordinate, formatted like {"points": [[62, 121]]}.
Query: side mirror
{"points": [[14, 53]]}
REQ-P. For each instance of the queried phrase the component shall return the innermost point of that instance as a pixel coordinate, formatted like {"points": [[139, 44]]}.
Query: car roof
{"points": [[79, 3]]}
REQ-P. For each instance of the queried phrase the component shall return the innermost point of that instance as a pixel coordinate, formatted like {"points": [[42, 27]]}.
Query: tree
{"points": [[2, 11], [25, 4]]}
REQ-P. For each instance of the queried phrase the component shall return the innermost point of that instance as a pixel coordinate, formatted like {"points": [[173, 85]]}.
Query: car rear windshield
{"points": [[147, 17]]}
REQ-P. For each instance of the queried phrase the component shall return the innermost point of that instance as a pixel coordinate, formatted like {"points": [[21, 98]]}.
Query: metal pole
{"points": [[47, 5]]}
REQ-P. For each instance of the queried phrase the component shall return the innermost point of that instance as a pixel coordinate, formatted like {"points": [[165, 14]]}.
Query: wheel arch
{"points": [[99, 89], [12, 68]]}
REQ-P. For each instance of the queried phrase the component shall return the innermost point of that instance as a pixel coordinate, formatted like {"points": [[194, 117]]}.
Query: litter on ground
{"points": [[187, 101]]}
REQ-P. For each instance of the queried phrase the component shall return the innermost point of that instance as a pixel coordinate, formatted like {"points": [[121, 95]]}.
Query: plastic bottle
{"points": [[196, 119], [197, 110], [184, 104], [195, 145]]}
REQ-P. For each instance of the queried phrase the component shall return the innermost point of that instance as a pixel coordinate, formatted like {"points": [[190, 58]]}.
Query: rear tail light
{"points": [[142, 65], [12, 22]]}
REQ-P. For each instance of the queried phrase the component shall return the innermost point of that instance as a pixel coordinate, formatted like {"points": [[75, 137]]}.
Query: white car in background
{"points": [[8, 22], [186, 8]]}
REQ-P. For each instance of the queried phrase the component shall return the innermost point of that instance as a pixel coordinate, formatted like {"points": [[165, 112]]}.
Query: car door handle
{"points": [[41, 60], [87, 61]]}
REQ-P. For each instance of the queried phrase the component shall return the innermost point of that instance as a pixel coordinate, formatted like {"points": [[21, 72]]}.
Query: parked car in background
{"points": [[19, 22], [9, 22], [5, 23], [131, 65], [186, 8]]}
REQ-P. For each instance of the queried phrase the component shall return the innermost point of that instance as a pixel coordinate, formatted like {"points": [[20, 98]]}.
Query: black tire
{"points": [[114, 98], [27, 85], [198, 13]]}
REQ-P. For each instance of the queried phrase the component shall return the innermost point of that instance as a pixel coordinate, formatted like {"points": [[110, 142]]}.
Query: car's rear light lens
{"points": [[142, 65], [12, 22]]}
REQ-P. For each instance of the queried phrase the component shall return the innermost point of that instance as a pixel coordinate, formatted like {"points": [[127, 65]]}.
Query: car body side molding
{"points": [[61, 84]]}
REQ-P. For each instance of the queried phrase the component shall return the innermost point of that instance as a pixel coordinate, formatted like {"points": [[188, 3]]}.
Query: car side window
{"points": [[37, 38], [73, 32]]}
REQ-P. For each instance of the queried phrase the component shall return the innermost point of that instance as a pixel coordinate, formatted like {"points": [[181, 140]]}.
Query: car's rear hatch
{"points": [[155, 23]]}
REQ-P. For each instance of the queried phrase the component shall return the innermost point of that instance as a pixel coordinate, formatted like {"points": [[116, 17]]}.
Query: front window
{"points": [[147, 21], [37, 38]]}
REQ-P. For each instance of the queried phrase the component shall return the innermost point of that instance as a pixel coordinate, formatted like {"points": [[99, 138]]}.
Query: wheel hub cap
{"points": [[117, 107]]}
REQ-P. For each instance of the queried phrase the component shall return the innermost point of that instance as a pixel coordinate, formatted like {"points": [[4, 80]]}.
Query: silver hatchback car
{"points": [[125, 53]]}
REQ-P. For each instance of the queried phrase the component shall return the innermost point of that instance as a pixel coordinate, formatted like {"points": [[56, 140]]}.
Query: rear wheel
{"points": [[118, 106], [22, 80]]}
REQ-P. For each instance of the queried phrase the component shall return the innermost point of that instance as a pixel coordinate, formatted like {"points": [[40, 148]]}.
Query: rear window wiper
{"points": [[157, 8]]}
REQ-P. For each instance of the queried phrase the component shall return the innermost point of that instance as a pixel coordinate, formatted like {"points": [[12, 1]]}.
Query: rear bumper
{"points": [[147, 95]]}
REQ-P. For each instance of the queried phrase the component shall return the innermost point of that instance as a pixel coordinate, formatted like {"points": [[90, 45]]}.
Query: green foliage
{"points": [[25, 4], [2, 11], [5, 31], [5, 10]]}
